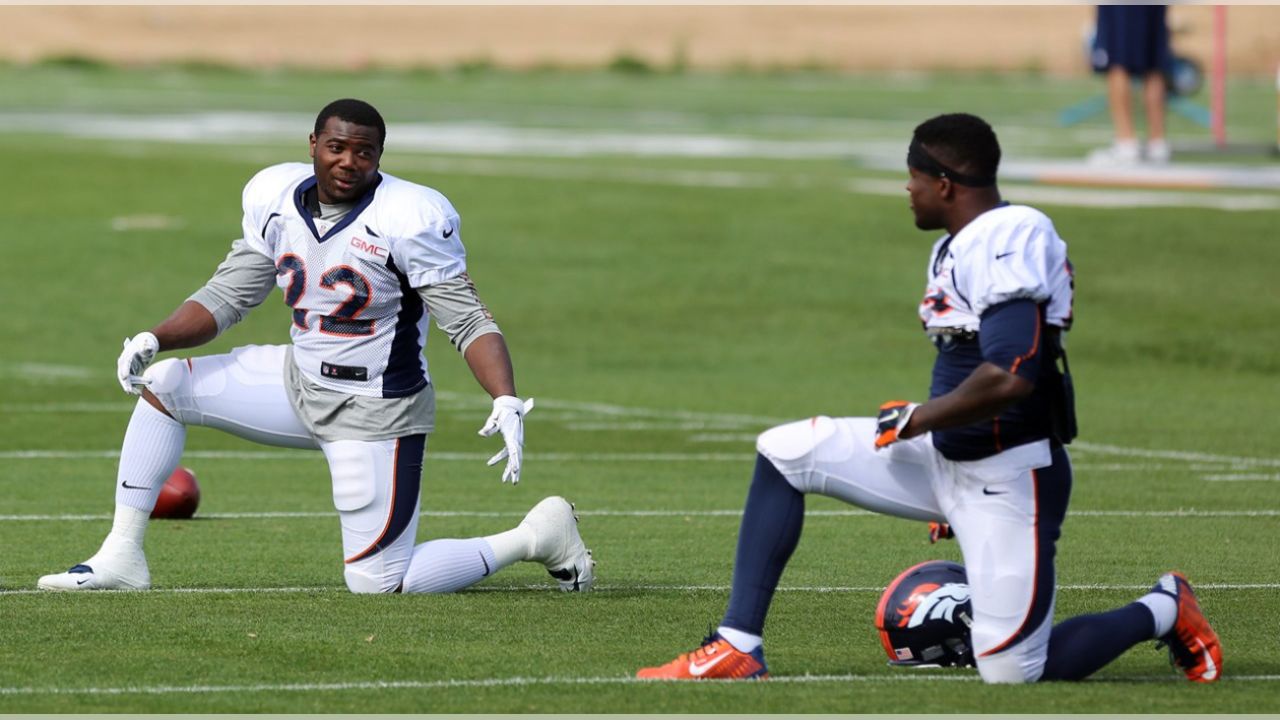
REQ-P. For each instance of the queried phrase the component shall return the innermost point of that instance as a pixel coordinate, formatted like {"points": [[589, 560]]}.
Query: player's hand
{"points": [[940, 531], [138, 353], [894, 416], [508, 418]]}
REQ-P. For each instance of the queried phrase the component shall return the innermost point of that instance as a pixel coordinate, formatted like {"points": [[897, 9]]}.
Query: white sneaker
{"points": [[1119, 153], [119, 565], [558, 545], [1158, 152]]}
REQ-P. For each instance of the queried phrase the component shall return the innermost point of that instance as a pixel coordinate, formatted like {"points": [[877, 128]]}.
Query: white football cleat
{"points": [[122, 566], [558, 545]]}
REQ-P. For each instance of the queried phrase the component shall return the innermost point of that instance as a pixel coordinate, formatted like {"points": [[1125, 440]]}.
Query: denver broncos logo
{"points": [[931, 601], [935, 301]]}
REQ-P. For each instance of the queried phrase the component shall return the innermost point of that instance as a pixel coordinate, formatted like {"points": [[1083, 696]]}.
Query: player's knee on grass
{"points": [[1009, 668], [1022, 663], [792, 448], [362, 494], [366, 577]]}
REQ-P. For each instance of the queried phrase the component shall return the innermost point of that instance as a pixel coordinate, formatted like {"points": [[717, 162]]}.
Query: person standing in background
{"points": [[1132, 42]]}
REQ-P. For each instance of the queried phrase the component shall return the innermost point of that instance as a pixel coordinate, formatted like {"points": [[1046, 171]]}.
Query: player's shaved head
{"points": [[357, 112], [959, 146]]}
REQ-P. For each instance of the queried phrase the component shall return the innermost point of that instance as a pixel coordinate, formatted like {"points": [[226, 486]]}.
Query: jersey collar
{"points": [[299, 201]]}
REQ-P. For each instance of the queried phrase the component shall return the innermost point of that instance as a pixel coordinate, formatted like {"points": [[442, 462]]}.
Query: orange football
{"points": [[179, 497]]}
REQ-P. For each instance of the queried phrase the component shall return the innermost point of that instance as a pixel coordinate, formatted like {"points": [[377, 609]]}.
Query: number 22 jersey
{"points": [[359, 327]]}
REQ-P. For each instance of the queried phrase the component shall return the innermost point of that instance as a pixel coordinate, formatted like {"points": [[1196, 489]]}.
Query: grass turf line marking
{"points": [[1099, 198], [202, 591], [464, 400], [1182, 455], [767, 421], [819, 589], [1234, 461], [1243, 477], [290, 515], [510, 141], [441, 456], [461, 683], [46, 371]]}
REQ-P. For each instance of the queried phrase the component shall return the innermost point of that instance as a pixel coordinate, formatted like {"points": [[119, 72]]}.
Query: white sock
{"points": [[130, 525], [151, 450], [1164, 608], [742, 641], [514, 545], [441, 566]]}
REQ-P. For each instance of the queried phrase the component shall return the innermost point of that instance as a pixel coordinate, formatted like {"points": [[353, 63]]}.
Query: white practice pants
{"points": [[1006, 511], [375, 483]]}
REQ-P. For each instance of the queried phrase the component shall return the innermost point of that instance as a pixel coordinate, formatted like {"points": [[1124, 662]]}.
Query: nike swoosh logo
{"points": [[698, 670], [81, 582], [988, 491], [448, 232], [486, 565], [125, 484], [1001, 255], [1210, 669]]}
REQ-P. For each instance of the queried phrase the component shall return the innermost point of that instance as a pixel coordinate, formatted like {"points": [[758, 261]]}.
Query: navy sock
{"points": [[1080, 646], [771, 524]]}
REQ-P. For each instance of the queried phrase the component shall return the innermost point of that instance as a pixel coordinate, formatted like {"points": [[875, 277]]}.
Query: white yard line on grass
{"points": [[817, 589], [439, 456], [76, 408], [292, 515], [133, 223], [1182, 455], [821, 589], [604, 415], [208, 591], [1084, 448], [1097, 198], [471, 683], [46, 372], [869, 150], [631, 425], [383, 685]]}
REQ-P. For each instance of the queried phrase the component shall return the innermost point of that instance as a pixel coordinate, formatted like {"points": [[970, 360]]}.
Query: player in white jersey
{"points": [[363, 259], [985, 454]]}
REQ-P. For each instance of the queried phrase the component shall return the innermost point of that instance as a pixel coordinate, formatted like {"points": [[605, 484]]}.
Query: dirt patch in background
{"points": [[1018, 38]]}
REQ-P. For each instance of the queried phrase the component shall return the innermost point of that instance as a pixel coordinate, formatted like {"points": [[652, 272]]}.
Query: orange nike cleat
{"points": [[715, 660], [1193, 645], [940, 531]]}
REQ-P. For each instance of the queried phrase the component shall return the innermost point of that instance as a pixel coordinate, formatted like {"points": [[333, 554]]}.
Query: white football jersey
{"points": [[358, 325], [1007, 253]]}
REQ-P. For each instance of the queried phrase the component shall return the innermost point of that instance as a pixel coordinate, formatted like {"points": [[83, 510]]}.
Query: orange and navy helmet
{"points": [[924, 616]]}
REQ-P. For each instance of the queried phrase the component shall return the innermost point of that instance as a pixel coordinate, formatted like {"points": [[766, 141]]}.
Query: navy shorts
{"points": [[1134, 37]]}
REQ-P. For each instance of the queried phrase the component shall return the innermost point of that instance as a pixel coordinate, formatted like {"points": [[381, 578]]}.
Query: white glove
{"points": [[508, 418], [138, 353]]}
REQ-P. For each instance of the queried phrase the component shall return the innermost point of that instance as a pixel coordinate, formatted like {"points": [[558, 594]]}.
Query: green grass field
{"points": [[663, 309]]}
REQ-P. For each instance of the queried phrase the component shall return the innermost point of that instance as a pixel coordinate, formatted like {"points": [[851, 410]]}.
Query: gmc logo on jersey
{"points": [[366, 246]]}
